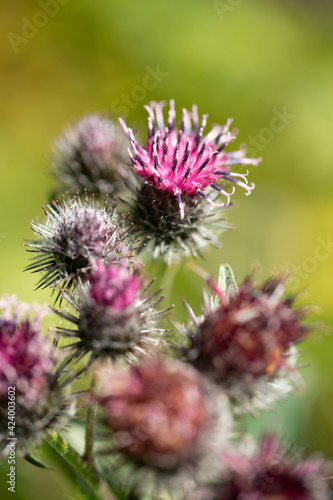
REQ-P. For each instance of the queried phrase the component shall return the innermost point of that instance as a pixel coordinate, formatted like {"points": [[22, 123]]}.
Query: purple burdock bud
{"points": [[177, 166], [161, 421], [76, 234], [90, 157], [115, 317], [247, 342], [30, 392], [270, 473]]}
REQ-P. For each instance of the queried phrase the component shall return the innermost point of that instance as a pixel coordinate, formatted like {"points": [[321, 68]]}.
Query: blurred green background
{"points": [[268, 64]]}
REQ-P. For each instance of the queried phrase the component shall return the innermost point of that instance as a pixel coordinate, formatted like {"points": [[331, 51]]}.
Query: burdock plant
{"points": [[90, 156], [272, 471], [32, 371], [247, 338], [75, 235], [115, 316], [178, 168], [162, 410], [165, 422]]}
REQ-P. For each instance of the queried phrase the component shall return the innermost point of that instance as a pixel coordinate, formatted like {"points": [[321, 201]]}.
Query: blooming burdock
{"points": [[115, 317], [90, 157], [75, 235], [159, 413], [177, 166], [161, 422], [247, 342], [272, 473], [28, 370]]}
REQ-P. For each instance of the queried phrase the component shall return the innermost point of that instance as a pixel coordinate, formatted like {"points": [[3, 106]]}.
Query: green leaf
{"points": [[84, 475], [34, 456], [226, 282], [36, 461]]}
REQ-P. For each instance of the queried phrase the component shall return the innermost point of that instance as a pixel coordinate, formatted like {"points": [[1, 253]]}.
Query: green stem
{"points": [[88, 456]]}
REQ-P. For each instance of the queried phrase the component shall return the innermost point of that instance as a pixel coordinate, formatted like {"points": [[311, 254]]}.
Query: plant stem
{"points": [[88, 456]]}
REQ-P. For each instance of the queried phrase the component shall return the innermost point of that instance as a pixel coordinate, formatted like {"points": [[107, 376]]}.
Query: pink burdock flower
{"points": [[272, 474], [115, 317], [161, 422], [75, 235], [177, 166], [27, 372], [184, 161], [90, 157], [246, 342]]}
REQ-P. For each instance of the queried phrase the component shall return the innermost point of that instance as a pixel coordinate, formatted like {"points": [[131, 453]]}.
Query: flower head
{"points": [[27, 372], [184, 162], [159, 406], [272, 474], [90, 157], [247, 342], [115, 317], [76, 234], [176, 167], [162, 423]]}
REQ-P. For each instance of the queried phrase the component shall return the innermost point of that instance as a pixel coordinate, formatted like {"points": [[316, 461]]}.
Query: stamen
{"points": [[225, 141], [175, 158], [218, 137], [140, 160], [186, 152], [125, 128], [172, 115], [195, 117], [248, 187], [243, 161], [166, 145], [207, 160], [187, 121], [159, 114], [187, 173], [222, 191], [227, 125], [155, 153], [154, 149], [202, 128], [151, 128], [211, 202], [202, 150], [132, 158]]}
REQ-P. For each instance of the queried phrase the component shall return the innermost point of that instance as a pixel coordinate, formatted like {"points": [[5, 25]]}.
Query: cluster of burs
{"points": [[164, 411]]}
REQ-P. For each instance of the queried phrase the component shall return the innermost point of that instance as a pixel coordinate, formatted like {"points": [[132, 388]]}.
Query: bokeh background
{"points": [[268, 64]]}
